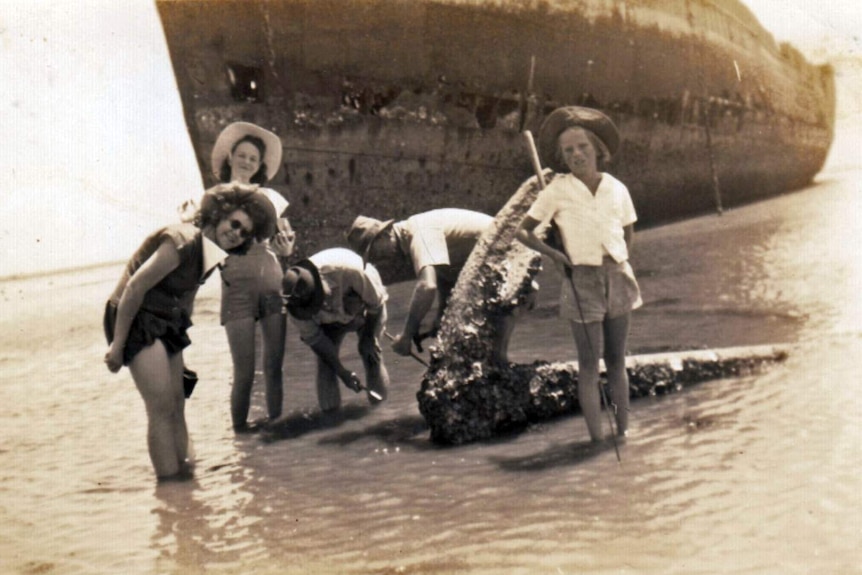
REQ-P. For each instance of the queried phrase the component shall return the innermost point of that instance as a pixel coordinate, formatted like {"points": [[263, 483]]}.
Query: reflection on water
{"points": [[750, 475]]}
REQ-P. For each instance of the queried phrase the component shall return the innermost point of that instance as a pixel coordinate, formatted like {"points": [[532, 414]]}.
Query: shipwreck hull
{"points": [[391, 107]]}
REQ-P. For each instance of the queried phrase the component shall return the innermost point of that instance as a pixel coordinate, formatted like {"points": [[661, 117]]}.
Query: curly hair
{"points": [[223, 205], [260, 176]]}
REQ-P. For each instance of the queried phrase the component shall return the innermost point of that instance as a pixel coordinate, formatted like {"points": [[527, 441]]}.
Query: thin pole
{"points": [[525, 97], [712, 169]]}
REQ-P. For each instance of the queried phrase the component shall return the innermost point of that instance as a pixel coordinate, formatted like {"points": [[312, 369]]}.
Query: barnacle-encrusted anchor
{"points": [[470, 391]]}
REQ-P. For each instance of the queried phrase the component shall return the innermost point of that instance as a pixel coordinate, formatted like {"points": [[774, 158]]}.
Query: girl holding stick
{"points": [[594, 215]]}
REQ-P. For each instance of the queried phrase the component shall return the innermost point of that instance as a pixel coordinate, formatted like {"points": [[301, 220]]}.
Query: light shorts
{"points": [[606, 291], [251, 285]]}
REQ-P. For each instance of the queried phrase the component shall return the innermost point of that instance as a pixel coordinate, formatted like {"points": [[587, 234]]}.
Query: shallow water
{"points": [[751, 475]]}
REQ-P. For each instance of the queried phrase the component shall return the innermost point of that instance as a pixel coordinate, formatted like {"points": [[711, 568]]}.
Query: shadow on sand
{"points": [[400, 430], [555, 456], [405, 430], [300, 423]]}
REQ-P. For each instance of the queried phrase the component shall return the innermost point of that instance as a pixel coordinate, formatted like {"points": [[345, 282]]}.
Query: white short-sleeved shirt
{"points": [[342, 274], [441, 237], [591, 226]]}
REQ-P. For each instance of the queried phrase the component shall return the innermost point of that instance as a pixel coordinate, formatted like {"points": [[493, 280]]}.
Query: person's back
{"points": [[421, 237], [436, 244]]}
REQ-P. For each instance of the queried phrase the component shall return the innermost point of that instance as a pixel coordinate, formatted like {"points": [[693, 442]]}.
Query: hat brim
{"points": [[385, 225], [567, 117], [307, 310], [361, 235], [236, 131]]}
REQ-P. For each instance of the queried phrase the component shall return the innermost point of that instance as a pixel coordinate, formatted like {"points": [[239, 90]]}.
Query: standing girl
{"points": [[595, 216], [251, 282], [148, 315]]}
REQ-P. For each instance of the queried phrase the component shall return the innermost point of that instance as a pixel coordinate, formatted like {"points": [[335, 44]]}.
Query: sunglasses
{"points": [[243, 232]]}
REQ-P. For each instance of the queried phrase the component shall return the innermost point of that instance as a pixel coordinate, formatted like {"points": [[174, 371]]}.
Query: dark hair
{"points": [[603, 155], [211, 214], [260, 176]]}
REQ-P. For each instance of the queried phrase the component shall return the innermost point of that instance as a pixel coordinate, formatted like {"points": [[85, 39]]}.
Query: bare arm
{"points": [[527, 236], [164, 260], [424, 293], [283, 242], [325, 349]]}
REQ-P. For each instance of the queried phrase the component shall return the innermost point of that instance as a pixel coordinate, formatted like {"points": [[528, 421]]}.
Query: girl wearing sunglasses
{"points": [[148, 315]]}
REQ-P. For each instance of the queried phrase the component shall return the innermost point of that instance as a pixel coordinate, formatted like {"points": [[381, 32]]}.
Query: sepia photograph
{"points": [[430, 287]]}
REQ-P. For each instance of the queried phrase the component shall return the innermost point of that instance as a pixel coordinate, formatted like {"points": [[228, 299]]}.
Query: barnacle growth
{"points": [[471, 392]]}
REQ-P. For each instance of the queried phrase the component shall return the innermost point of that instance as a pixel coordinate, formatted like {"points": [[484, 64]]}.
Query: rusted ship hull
{"points": [[392, 107]]}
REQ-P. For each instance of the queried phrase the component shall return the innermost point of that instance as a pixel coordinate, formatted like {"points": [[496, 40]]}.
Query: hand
{"points": [[114, 359], [353, 382], [187, 211], [284, 241], [561, 260], [401, 345]]}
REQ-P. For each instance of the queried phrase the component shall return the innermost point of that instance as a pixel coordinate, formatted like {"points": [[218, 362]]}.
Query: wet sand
{"points": [[748, 475]]}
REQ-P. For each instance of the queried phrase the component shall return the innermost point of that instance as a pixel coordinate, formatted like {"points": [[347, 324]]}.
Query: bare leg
{"points": [[328, 388], [328, 391], [500, 346], [273, 331], [240, 337], [588, 341], [616, 332], [505, 327], [159, 380], [376, 375], [185, 450]]}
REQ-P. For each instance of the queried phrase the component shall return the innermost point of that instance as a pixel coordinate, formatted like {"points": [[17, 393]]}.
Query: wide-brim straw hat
{"points": [[363, 232], [236, 131], [239, 195], [567, 117], [302, 289]]}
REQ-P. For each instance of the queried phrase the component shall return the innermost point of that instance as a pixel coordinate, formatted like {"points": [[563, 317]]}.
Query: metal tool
{"points": [[356, 385]]}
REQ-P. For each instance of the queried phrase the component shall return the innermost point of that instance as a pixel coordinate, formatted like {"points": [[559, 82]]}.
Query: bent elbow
{"points": [[426, 286]]}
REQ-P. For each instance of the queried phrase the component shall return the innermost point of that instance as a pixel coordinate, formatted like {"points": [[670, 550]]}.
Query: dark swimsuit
{"points": [[165, 313]]}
